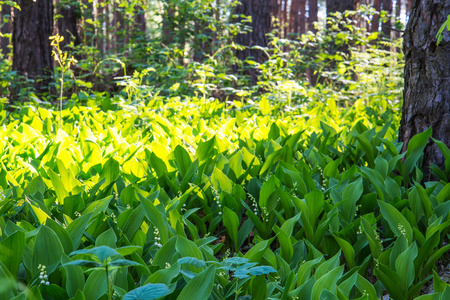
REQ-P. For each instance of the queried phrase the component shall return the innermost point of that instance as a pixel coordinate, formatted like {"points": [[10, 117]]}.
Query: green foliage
{"points": [[152, 199]]}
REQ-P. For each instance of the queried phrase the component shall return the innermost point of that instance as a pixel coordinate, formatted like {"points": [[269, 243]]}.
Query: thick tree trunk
{"points": [[67, 24], [386, 26], [298, 17], [32, 27], [340, 5], [427, 77], [260, 12], [376, 17], [313, 9], [5, 28]]}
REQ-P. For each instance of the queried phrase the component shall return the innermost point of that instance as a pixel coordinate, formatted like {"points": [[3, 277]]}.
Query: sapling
{"points": [[64, 63]]}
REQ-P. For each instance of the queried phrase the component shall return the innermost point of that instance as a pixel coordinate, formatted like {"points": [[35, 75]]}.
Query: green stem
{"points": [[60, 100], [108, 284]]}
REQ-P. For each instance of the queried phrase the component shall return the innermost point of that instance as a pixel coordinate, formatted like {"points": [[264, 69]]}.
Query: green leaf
{"points": [[11, 249], [348, 251], [331, 169], [47, 250], [95, 286], [187, 248], [58, 185], [405, 265], [77, 228], [397, 222], [257, 252], [182, 159], [148, 292], [350, 197], [372, 237], [110, 172], [221, 182], [155, 216], [102, 252], [205, 149], [74, 276], [200, 287], [327, 282], [231, 223], [8, 287], [391, 282]]}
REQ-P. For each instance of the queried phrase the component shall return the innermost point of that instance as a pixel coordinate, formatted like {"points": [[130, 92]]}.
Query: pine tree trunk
{"points": [[386, 26], [5, 28], [260, 12], [312, 6], [376, 17], [67, 24], [32, 27], [427, 78], [340, 5]]}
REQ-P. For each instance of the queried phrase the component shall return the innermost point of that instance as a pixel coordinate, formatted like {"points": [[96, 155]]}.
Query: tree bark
{"points": [[298, 19], [340, 5], [5, 28], [386, 26], [376, 17], [313, 9], [427, 78], [67, 24], [260, 13], [32, 27]]}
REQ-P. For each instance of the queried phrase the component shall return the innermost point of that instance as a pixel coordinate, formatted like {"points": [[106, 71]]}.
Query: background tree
{"points": [[427, 77], [312, 14], [33, 25], [69, 12], [340, 5], [5, 27], [257, 36]]}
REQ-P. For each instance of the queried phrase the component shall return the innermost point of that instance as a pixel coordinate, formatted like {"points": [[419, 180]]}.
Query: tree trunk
{"points": [[312, 6], [386, 26], [376, 16], [260, 13], [427, 78], [298, 20], [340, 5], [67, 24], [5, 28], [32, 27], [141, 20]]}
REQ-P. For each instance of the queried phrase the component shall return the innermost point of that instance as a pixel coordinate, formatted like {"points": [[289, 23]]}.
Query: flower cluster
{"points": [[254, 203], [43, 275], [157, 237]]}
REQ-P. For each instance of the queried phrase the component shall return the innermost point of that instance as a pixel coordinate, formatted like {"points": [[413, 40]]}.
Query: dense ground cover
{"points": [[221, 200]]}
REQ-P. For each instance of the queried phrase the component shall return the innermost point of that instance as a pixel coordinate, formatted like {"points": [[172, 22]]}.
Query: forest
{"points": [[224, 149]]}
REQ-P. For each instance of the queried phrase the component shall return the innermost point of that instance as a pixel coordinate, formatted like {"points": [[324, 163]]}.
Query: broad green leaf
{"points": [[348, 251], [47, 250], [8, 287], [327, 282], [11, 249], [74, 276], [350, 196], [58, 185], [187, 248], [397, 222], [148, 292], [155, 216], [221, 182], [405, 265], [95, 286], [231, 223], [200, 287]]}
